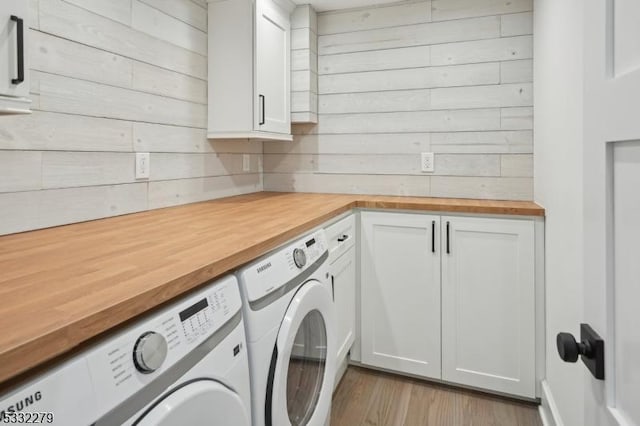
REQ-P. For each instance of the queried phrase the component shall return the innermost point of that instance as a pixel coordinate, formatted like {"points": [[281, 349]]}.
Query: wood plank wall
{"points": [[452, 77], [109, 79], [304, 65]]}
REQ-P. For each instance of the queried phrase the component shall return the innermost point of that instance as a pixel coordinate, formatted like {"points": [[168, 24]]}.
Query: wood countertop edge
{"points": [[435, 207], [18, 360]]}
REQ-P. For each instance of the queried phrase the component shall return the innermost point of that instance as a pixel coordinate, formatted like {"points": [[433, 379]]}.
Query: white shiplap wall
{"points": [[449, 76], [111, 78], [304, 65]]}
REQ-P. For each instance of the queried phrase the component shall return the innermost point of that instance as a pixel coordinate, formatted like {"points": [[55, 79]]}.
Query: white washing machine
{"points": [[185, 365], [290, 322]]}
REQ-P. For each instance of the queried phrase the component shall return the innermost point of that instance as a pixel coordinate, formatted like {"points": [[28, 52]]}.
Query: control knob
{"points": [[149, 352], [299, 258]]}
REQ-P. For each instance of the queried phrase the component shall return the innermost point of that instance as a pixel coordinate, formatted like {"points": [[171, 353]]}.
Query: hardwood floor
{"points": [[372, 398]]}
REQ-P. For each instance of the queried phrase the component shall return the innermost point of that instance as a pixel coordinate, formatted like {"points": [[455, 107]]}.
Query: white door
{"points": [[272, 109], [343, 283], [400, 289], [10, 60], [488, 304], [612, 206]]}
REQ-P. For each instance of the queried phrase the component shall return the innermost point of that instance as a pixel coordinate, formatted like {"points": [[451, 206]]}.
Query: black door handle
{"points": [[20, 46], [448, 248], [343, 238], [433, 236], [333, 288], [262, 120], [590, 349]]}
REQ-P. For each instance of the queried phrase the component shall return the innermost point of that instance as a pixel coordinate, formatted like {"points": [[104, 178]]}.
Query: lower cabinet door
{"points": [[488, 304], [400, 288], [343, 282]]}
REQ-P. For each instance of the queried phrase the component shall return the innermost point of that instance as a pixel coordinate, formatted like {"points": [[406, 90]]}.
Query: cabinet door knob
{"points": [[590, 348]]}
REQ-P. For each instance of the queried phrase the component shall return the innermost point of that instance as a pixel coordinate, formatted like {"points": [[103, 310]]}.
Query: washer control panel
{"points": [[275, 270], [127, 362]]}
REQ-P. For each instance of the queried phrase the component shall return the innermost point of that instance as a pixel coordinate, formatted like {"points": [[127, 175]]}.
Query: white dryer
{"points": [[185, 365], [290, 322]]}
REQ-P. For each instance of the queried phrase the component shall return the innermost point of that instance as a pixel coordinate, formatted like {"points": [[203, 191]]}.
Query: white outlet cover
{"points": [[143, 165], [427, 163]]}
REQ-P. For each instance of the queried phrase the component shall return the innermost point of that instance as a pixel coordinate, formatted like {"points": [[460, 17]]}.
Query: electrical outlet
{"points": [[246, 163], [428, 162], [143, 164]]}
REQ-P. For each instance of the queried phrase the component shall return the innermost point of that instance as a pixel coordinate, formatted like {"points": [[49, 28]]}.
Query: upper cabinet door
{"points": [[273, 33], [14, 59], [10, 47], [488, 304], [401, 292]]}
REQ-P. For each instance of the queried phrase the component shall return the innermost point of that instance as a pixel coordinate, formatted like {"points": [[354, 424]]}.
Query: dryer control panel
{"points": [[273, 271]]}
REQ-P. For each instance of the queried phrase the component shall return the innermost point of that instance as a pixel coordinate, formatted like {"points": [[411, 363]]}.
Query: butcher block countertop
{"points": [[61, 287]]}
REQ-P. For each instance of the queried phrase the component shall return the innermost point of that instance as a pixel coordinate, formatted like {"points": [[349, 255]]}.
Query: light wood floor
{"points": [[366, 397]]}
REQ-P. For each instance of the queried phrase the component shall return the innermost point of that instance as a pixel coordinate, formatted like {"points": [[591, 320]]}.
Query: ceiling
{"points": [[324, 5]]}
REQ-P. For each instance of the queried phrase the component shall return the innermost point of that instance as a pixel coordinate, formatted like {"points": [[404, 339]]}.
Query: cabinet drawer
{"points": [[341, 236]]}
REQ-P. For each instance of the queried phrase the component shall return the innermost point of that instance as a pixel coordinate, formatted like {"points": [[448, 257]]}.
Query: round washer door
{"points": [[199, 402], [303, 368]]}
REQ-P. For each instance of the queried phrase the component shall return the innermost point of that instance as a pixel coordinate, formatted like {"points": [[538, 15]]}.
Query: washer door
{"points": [[199, 402], [303, 365]]}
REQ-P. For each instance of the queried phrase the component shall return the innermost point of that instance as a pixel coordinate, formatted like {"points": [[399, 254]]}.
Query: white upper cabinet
{"points": [[249, 69], [488, 304], [273, 112], [14, 67]]}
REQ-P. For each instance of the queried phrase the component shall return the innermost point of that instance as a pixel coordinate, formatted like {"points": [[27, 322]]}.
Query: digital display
{"points": [[193, 309], [311, 242]]}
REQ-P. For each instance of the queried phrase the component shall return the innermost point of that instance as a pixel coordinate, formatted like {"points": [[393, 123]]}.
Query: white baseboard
{"points": [[548, 409]]}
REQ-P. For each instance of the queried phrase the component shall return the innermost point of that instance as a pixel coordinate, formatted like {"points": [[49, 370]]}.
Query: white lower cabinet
{"points": [[343, 283], [400, 292], [341, 237], [488, 304], [450, 298]]}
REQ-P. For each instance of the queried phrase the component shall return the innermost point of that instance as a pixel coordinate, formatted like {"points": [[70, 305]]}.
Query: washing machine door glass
{"points": [[200, 402], [306, 368], [302, 370]]}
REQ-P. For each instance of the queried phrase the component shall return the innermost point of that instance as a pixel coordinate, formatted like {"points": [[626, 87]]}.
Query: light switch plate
{"points": [[143, 164], [427, 163]]}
